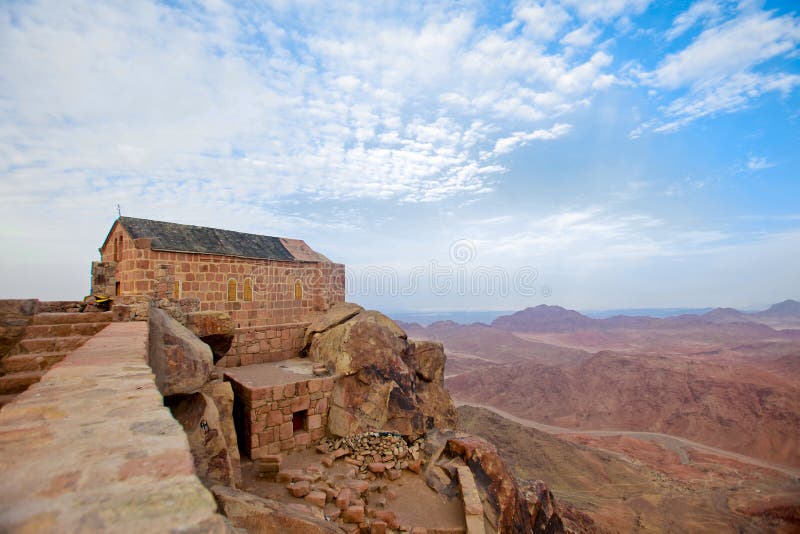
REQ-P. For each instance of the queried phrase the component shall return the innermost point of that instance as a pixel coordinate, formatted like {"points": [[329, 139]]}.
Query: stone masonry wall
{"points": [[15, 315], [143, 271], [265, 344], [91, 448], [266, 415]]}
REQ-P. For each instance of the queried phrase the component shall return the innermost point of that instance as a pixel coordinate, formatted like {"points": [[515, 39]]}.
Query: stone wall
{"points": [[104, 278], [265, 415], [143, 271], [91, 448], [15, 315], [261, 344]]}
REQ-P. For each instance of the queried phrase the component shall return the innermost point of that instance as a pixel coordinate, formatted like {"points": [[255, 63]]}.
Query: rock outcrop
{"points": [[181, 362], [337, 314], [509, 507], [384, 381], [258, 515], [201, 421]]}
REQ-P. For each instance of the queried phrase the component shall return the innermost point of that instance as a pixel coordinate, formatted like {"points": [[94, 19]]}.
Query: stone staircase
{"points": [[46, 341]]}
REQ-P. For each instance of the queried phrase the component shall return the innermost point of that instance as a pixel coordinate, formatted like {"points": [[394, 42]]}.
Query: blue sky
{"points": [[455, 155]]}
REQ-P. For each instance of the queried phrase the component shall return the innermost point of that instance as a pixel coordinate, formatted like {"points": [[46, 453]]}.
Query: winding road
{"points": [[672, 443]]}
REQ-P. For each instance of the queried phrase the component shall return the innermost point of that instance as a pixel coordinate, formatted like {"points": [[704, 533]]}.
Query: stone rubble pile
{"points": [[375, 452]]}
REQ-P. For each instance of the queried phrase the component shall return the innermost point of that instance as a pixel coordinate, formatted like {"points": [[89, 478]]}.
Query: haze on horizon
{"points": [[606, 154]]}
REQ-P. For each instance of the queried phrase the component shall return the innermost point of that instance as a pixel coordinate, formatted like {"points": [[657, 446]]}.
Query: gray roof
{"points": [[201, 240]]}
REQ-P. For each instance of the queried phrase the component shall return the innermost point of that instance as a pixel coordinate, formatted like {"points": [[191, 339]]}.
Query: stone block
{"points": [[301, 403], [316, 498], [353, 514], [314, 421], [300, 488], [302, 439]]}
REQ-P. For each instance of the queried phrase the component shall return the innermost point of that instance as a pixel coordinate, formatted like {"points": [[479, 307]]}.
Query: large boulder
{"points": [[222, 395], [337, 314], [258, 515], [509, 506], [181, 362], [213, 453], [383, 381], [427, 359]]}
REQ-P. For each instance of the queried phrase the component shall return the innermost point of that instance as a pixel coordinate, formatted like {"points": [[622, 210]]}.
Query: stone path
{"points": [[91, 448]]}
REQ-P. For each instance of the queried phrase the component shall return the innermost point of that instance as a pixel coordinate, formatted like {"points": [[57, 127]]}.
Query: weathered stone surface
{"points": [[91, 448], [506, 505], [15, 315], [427, 358], [207, 419], [337, 314], [222, 395], [258, 515], [181, 362], [436, 405], [376, 389]]}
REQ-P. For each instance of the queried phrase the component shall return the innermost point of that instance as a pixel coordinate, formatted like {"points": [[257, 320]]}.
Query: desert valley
{"points": [[685, 423]]}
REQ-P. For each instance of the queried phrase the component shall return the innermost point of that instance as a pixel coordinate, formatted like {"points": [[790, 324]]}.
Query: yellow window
{"points": [[231, 290], [298, 290]]}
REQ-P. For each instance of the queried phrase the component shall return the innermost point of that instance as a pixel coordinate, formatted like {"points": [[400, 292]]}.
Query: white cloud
{"points": [[582, 36], [268, 103], [541, 21], [607, 9], [517, 139], [755, 163], [720, 71], [698, 11]]}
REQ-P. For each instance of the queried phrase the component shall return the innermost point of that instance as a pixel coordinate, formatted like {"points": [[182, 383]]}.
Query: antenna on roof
{"points": [[119, 211]]}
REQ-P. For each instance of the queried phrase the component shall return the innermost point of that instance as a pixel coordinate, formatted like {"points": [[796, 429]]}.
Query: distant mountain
{"points": [[726, 315], [786, 309], [544, 318]]}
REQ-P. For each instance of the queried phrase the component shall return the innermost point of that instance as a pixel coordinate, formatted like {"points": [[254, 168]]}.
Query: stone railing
{"points": [[91, 448]]}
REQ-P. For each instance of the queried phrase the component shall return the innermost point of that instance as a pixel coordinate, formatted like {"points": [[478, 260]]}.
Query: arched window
{"points": [[248, 289], [231, 290], [298, 290], [176, 289], [116, 249]]}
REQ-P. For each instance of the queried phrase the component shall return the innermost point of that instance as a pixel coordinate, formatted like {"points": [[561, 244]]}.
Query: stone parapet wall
{"points": [[264, 344], [91, 448], [265, 415]]}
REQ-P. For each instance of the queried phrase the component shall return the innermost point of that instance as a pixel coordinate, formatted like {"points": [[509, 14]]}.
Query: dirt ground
{"points": [[409, 497]]}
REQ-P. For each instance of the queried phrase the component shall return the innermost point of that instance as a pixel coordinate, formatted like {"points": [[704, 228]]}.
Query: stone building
{"points": [[271, 287]]}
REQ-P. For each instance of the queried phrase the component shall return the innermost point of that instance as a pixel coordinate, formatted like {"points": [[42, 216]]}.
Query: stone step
{"points": [[63, 330], [71, 318], [50, 344], [19, 382], [31, 361]]}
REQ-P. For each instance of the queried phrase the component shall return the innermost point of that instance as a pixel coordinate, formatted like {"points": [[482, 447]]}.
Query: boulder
{"points": [[427, 358], [259, 515], [508, 506], [214, 458], [336, 315], [436, 405], [222, 395], [214, 328], [180, 361], [376, 388]]}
